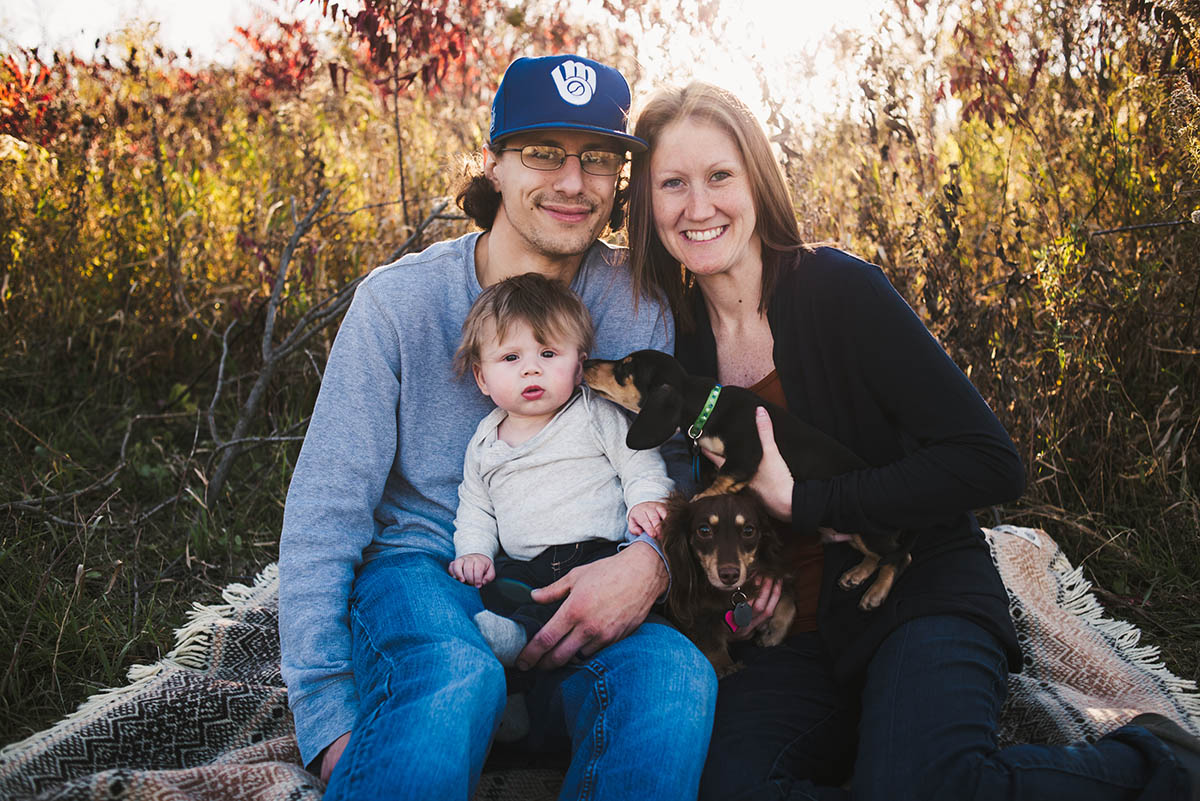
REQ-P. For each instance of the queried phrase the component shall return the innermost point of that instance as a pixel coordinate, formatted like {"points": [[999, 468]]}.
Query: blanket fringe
{"points": [[1124, 637], [191, 652], [193, 640]]}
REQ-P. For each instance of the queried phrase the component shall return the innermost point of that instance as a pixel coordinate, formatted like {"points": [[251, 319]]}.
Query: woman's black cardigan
{"points": [[856, 362]]}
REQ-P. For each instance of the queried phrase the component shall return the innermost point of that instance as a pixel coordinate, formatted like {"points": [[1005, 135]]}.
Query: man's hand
{"points": [[333, 752], [773, 483], [474, 569], [605, 601], [647, 517]]}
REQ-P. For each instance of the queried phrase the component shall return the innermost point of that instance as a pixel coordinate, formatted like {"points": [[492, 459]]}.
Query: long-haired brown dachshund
{"points": [[715, 546]]}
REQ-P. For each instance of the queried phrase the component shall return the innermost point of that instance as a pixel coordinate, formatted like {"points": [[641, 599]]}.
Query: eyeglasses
{"points": [[550, 157]]}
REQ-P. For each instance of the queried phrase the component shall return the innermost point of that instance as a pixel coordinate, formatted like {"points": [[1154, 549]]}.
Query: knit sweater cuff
{"points": [[653, 543], [324, 716]]}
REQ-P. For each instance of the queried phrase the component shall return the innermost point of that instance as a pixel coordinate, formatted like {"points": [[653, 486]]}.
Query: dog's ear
{"points": [[677, 549], [657, 420]]}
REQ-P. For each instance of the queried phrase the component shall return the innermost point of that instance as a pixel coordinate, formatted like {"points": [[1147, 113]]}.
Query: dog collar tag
{"points": [[739, 616], [741, 613], [697, 428]]}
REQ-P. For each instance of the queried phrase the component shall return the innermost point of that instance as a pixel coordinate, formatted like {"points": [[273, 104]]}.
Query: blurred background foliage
{"points": [[1027, 172]]}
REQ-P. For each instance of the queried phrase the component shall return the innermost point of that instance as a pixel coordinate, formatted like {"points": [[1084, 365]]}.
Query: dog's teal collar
{"points": [[697, 428]]}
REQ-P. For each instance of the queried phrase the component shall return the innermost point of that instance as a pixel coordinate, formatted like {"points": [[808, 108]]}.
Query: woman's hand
{"points": [[766, 597], [773, 483]]}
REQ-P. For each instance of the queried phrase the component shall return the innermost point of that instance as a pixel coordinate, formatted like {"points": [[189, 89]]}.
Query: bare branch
{"points": [[1138, 227], [142, 518], [21, 506], [312, 322], [30, 503], [285, 261], [317, 317], [352, 212], [257, 441], [420, 229], [212, 406]]}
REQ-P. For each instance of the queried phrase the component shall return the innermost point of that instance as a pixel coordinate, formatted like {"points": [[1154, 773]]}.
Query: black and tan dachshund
{"points": [[666, 399], [715, 546]]}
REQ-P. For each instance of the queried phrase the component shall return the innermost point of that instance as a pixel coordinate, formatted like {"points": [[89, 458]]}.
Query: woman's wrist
{"points": [[779, 500]]}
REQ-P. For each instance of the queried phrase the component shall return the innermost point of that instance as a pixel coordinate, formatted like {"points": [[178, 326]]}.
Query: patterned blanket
{"points": [[210, 721]]}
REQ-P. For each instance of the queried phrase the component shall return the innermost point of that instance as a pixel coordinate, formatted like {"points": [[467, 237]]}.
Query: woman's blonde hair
{"points": [[656, 270], [547, 306]]}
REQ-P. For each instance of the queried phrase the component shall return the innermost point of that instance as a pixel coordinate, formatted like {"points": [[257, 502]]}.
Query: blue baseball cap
{"points": [[562, 93]]}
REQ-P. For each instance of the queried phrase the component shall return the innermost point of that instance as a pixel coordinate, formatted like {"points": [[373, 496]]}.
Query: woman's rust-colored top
{"points": [[806, 557]]}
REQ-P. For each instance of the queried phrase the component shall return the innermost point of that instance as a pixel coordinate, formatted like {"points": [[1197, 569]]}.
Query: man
{"points": [[394, 691]]}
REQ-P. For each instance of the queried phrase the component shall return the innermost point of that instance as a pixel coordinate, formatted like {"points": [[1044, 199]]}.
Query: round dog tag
{"points": [[742, 614]]}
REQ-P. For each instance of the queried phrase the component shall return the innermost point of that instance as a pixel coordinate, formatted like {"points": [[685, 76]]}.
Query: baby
{"points": [[547, 475]]}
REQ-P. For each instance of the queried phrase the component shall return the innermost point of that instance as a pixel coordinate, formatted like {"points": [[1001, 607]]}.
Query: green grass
{"points": [[92, 584]]}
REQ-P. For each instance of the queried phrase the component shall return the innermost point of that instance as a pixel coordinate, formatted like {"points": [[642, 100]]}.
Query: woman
{"points": [[903, 700]]}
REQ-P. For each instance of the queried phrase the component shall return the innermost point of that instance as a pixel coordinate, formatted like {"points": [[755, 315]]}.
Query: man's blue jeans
{"points": [[924, 728], [637, 715]]}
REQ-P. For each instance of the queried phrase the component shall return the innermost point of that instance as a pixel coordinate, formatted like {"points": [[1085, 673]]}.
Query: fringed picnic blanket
{"points": [[210, 721]]}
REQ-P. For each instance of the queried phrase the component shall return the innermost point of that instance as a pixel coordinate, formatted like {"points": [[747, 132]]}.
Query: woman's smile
{"points": [[706, 235]]}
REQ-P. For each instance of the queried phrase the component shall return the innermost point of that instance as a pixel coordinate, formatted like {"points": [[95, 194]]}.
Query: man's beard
{"points": [[572, 242]]}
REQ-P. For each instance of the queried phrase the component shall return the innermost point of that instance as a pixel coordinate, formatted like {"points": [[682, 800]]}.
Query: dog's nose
{"points": [[728, 574]]}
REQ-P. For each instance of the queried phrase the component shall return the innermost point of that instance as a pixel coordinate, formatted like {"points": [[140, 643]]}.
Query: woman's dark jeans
{"points": [[929, 711]]}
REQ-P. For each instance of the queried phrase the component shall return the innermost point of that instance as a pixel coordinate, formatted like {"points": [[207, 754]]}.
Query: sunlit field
{"points": [[179, 232]]}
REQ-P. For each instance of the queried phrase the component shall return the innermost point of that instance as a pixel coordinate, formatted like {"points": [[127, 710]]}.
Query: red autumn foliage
{"points": [[445, 45], [283, 61], [28, 99], [426, 40]]}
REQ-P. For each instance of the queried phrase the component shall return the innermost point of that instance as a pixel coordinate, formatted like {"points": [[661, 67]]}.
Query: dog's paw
{"points": [[722, 485], [721, 661], [855, 576], [729, 669], [766, 636], [874, 597], [772, 632]]}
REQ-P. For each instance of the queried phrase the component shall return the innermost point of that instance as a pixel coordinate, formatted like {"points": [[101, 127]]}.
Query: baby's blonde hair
{"points": [[547, 306]]}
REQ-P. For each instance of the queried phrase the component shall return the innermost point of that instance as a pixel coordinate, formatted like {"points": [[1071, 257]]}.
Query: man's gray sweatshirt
{"points": [[382, 460]]}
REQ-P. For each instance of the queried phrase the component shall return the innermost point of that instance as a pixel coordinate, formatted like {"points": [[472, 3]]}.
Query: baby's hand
{"points": [[647, 517], [474, 569]]}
